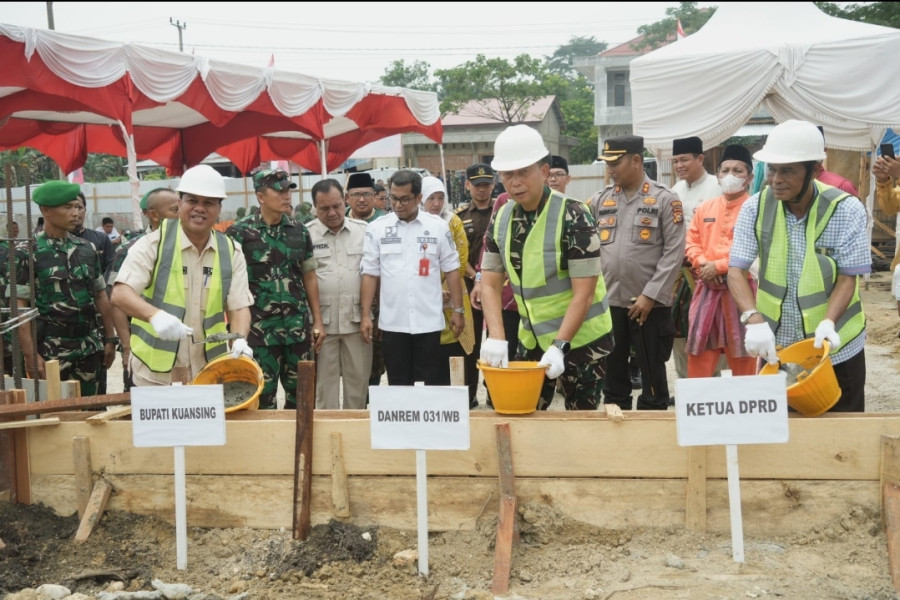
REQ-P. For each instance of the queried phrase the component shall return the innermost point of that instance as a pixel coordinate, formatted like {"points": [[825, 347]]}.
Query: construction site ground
{"points": [[556, 557]]}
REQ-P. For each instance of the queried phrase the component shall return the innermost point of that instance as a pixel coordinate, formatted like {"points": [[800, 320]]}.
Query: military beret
{"points": [[55, 193], [480, 171], [617, 147], [689, 145]]}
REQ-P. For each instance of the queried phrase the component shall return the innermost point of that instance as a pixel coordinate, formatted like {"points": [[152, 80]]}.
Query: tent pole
{"points": [[137, 221], [443, 166], [322, 154]]}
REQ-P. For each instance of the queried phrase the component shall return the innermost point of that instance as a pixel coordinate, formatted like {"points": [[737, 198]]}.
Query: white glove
{"points": [[239, 346], [760, 341], [169, 327], [494, 352], [825, 331], [553, 357]]}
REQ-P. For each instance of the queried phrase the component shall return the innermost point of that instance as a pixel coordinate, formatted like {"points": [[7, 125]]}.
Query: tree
{"points": [[876, 13], [415, 76], [26, 166], [105, 167], [563, 58], [662, 32], [504, 90]]}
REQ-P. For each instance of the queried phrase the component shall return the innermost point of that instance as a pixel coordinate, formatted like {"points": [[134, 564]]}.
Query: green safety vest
{"points": [[166, 292], [819, 272], [544, 291]]}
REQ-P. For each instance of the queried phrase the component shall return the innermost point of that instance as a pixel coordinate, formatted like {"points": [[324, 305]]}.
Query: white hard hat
{"points": [[202, 180], [793, 142], [517, 147]]}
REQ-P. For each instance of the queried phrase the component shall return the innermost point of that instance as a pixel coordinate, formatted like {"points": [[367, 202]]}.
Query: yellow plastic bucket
{"points": [[817, 390], [515, 390], [227, 369]]}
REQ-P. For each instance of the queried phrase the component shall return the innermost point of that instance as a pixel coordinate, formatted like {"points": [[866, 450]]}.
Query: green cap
{"points": [[55, 193], [277, 179]]}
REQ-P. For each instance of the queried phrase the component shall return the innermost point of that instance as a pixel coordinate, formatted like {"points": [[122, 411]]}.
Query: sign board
{"points": [[419, 417], [713, 411], [190, 415]]}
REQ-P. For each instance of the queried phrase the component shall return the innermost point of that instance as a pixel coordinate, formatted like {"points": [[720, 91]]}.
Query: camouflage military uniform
{"points": [[280, 335], [68, 275], [583, 388]]}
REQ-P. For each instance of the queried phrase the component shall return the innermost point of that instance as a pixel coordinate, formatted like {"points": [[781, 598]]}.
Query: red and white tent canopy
{"points": [[68, 96]]}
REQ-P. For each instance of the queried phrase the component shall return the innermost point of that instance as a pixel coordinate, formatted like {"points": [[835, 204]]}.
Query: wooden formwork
{"points": [[627, 472]]}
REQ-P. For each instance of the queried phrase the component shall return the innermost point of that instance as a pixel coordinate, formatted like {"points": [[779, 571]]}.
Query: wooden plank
{"points": [[340, 497], [7, 453], [303, 447], [891, 502], [94, 510], [83, 472], [109, 415], [844, 447], [884, 227], [457, 370], [770, 508], [51, 371], [48, 406], [695, 491], [30, 423], [506, 524]]}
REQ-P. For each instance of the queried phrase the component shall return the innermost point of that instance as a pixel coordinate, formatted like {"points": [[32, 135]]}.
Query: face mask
{"points": [[731, 184]]}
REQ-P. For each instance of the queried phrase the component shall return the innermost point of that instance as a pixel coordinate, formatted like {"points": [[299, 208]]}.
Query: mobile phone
{"points": [[887, 150]]}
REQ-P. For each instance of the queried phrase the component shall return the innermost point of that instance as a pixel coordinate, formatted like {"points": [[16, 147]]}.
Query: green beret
{"points": [[56, 193]]}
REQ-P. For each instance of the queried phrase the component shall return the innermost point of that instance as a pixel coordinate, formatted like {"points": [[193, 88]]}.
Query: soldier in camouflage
{"points": [[70, 293], [282, 272]]}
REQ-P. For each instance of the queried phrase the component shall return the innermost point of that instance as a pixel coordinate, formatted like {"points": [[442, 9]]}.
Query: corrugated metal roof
{"points": [[754, 130]]}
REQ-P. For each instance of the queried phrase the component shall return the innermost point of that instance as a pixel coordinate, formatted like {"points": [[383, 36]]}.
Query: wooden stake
{"points": [[94, 510], [340, 495], [51, 369], [31, 423], [695, 492], [84, 474], [306, 403], [109, 415], [507, 532], [457, 370]]}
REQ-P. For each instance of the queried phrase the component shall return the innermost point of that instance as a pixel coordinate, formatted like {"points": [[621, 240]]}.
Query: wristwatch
{"points": [[111, 340], [745, 316], [460, 310], [563, 345]]}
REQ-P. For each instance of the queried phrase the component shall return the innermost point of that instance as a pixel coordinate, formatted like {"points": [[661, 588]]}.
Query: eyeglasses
{"points": [[403, 200], [558, 174], [358, 195]]}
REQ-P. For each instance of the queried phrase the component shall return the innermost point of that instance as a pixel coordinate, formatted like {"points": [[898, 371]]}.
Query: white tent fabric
{"points": [[789, 58]]}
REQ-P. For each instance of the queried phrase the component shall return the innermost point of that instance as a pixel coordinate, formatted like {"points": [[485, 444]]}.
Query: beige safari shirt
{"points": [[338, 256], [137, 271]]}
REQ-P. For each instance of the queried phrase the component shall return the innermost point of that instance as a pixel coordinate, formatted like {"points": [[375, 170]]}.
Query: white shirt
{"points": [[691, 195], [410, 300]]}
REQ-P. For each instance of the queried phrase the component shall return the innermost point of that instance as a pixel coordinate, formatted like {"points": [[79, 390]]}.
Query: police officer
{"points": [[282, 272], [812, 246], [475, 217], [74, 324], [547, 245], [642, 234], [181, 279]]}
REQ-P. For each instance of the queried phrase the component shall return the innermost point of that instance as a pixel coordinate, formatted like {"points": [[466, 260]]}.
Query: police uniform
{"points": [[475, 223], [68, 276], [642, 250], [277, 258]]}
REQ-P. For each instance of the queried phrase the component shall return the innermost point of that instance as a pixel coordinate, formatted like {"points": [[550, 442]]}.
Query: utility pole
{"points": [[181, 26], [50, 16]]}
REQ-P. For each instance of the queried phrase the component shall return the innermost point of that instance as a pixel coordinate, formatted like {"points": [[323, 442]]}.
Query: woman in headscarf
{"points": [[434, 201]]}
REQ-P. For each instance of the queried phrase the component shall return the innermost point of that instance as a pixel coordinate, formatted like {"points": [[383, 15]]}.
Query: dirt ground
{"points": [[557, 558]]}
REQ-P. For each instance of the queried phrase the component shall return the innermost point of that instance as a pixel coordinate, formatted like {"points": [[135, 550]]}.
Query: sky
{"points": [[353, 41]]}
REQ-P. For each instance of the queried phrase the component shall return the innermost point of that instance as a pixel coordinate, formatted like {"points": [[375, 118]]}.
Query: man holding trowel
{"points": [[282, 272], [171, 294]]}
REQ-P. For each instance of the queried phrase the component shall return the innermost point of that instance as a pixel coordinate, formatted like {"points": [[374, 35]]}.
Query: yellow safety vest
{"points": [[166, 292], [544, 291], [819, 272]]}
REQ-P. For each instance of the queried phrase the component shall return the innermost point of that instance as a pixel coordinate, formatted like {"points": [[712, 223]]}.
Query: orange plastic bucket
{"points": [[817, 390], [515, 390], [227, 369]]}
